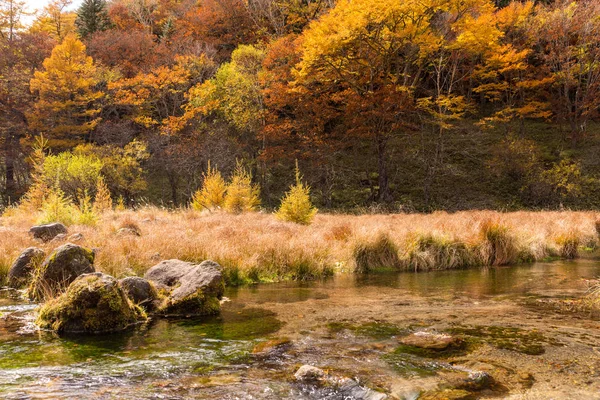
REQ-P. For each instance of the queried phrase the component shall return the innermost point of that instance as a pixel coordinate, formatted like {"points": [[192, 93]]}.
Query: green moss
{"points": [[508, 338], [90, 304], [376, 330], [196, 303], [450, 351]]}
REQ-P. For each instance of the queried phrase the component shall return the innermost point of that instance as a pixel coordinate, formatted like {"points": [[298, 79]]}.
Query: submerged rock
{"points": [[432, 341], [21, 270], [47, 232], [193, 290], [140, 291], [93, 303], [59, 269], [346, 387], [308, 373]]}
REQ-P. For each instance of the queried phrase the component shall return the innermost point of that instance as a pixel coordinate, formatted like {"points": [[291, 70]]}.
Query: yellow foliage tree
{"points": [[212, 194], [296, 206], [241, 195], [67, 103]]}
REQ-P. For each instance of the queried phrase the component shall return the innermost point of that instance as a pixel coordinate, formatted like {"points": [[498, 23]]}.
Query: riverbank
{"points": [[256, 247]]}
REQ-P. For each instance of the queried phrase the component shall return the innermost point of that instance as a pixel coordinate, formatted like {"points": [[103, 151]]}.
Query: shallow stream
{"points": [[349, 326]]}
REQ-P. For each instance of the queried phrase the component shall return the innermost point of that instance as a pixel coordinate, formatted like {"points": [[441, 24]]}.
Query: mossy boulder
{"points": [[47, 232], [140, 291], [22, 269], [59, 269], [93, 303], [193, 290]]}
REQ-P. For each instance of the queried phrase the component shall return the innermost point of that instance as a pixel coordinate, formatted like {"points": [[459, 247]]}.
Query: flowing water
{"points": [[349, 326]]}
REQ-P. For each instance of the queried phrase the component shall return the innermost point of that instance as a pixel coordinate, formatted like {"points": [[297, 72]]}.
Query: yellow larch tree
{"points": [[67, 105]]}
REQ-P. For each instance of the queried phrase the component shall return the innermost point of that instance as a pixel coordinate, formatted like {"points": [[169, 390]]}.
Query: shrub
{"points": [[73, 173], [87, 215], [498, 246], [241, 194], [380, 254], [569, 244], [429, 252], [56, 207], [212, 194], [103, 201], [296, 206]]}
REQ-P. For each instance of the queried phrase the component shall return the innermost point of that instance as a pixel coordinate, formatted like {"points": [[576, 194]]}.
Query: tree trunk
{"points": [[383, 181], [11, 150]]}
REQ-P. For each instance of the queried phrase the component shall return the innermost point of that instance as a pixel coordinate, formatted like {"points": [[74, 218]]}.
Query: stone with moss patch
{"points": [[193, 290], [59, 269], [93, 303], [140, 291]]}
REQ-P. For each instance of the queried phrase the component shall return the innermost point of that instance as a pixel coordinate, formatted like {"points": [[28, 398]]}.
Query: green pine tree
{"points": [[92, 17]]}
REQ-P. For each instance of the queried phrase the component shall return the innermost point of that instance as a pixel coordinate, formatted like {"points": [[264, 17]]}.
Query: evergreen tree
{"points": [[92, 17]]}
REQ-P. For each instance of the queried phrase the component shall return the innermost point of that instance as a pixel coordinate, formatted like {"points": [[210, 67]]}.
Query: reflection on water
{"points": [[165, 356]]}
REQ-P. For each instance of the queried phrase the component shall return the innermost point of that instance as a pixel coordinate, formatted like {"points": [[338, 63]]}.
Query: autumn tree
{"points": [[67, 99], [56, 20], [567, 34], [92, 16], [21, 53]]}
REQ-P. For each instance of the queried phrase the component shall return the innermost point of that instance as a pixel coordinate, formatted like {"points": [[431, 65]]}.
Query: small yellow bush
{"points": [[103, 201], [212, 194], [241, 194], [56, 207], [296, 206], [87, 214]]}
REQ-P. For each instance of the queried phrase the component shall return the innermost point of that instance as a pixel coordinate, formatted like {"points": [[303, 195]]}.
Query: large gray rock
{"points": [[93, 303], [140, 291], [194, 290], [21, 270], [167, 274], [47, 232], [59, 269], [207, 276]]}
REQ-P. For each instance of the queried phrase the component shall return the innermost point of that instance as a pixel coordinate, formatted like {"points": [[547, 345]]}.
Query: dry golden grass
{"points": [[258, 247]]}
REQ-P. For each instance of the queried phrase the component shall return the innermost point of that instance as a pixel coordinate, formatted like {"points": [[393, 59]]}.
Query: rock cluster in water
{"points": [[79, 299], [93, 302]]}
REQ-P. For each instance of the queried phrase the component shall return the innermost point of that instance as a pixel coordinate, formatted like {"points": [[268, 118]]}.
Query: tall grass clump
{"points": [[569, 244], [296, 206], [241, 195], [377, 255], [436, 252], [212, 195], [498, 246]]}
